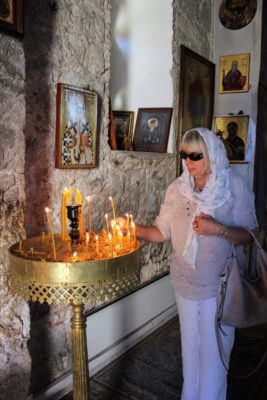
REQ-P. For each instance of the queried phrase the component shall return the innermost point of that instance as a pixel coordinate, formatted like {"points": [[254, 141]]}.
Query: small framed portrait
{"points": [[76, 127], [12, 16], [123, 123], [234, 73], [152, 129], [233, 132]]}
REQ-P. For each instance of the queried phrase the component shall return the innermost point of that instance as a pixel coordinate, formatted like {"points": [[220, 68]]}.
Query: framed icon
{"points": [[234, 73], [233, 131], [76, 127], [152, 129]]}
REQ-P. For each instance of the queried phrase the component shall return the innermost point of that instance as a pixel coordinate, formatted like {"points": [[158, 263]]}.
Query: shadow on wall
{"points": [[38, 41]]}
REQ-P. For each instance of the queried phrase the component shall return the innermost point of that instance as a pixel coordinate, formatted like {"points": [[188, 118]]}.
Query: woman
{"points": [[205, 210]]}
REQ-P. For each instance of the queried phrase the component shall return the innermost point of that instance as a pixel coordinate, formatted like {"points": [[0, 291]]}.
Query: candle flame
{"points": [[88, 198], [47, 210], [75, 254], [96, 237], [110, 236], [87, 236]]}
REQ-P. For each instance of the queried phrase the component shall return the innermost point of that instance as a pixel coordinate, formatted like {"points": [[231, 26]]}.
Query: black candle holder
{"points": [[73, 216]]}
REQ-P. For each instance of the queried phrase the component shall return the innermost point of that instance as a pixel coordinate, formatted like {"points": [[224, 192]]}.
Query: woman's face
{"points": [[197, 169]]}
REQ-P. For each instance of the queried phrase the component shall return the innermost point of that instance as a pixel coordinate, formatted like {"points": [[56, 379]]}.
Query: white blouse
{"points": [[173, 221]]}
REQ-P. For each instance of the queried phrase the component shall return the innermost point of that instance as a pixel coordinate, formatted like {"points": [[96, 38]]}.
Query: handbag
{"points": [[242, 294]]}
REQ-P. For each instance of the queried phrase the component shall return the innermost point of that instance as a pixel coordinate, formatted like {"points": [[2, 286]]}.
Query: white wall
{"points": [[227, 42], [141, 56]]}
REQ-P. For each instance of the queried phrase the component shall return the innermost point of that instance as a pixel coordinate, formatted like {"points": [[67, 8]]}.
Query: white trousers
{"points": [[205, 377]]}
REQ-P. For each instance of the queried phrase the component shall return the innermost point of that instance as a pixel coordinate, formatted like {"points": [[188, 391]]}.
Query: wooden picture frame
{"points": [[234, 73], [76, 127], [196, 94], [123, 121], [12, 17], [152, 129], [233, 131]]}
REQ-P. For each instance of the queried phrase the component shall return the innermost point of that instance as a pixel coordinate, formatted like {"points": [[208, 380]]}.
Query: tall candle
{"points": [[89, 213], [128, 221], [134, 232], [47, 210], [107, 224], [113, 208], [120, 234], [96, 245], [113, 225], [79, 202], [64, 198], [110, 244], [87, 242]]}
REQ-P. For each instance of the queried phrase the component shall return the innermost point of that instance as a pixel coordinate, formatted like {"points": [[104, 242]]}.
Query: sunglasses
{"points": [[191, 156]]}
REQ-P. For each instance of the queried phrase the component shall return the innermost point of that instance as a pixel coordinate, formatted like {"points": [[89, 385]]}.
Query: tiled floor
{"points": [[152, 370]]}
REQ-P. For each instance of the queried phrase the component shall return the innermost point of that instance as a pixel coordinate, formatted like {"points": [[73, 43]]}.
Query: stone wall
{"points": [[69, 43]]}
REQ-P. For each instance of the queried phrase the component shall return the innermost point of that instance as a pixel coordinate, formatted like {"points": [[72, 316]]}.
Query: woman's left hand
{"points": [[205, 224]]}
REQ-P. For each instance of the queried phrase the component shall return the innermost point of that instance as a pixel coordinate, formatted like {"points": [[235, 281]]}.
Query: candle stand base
{"points": [[79, 354]]}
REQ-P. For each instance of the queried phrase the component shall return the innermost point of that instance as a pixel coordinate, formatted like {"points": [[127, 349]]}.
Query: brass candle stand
{"points": [[73, 279]]}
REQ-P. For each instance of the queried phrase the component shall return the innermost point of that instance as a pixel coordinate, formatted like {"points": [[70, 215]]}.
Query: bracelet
{"points": [[223, 232]]}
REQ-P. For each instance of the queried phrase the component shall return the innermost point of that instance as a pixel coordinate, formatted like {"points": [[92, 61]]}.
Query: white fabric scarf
{"points": [[215, 192]]}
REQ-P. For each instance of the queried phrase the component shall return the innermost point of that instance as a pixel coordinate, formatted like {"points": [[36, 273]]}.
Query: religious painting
{"points": [[236, 14], [196, 93], [234, 73], [233, 132], [76, 127], [11, 16], [152, 129], [123, 121]]}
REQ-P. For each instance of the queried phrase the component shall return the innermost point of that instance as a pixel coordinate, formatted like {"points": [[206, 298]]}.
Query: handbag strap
{"points": [[220, 331], [254, 238]]}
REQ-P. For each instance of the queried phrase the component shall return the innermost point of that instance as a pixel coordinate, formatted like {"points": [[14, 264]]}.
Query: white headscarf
{"points": [[215, 192]]}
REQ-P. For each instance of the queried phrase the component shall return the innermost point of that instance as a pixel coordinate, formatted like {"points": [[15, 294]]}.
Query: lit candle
{"points": [[96, 245], [47, 210], [113, 208], [133, 227], [107, 224], [64, 197], [89, 213], [128, 221], [120, 238], [110, 244], [79, 202], [87, 242], [129, 239], [113, 224]]}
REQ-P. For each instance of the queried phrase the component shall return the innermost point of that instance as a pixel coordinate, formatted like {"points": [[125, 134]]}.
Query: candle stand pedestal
{"points": [[71, 281]]}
